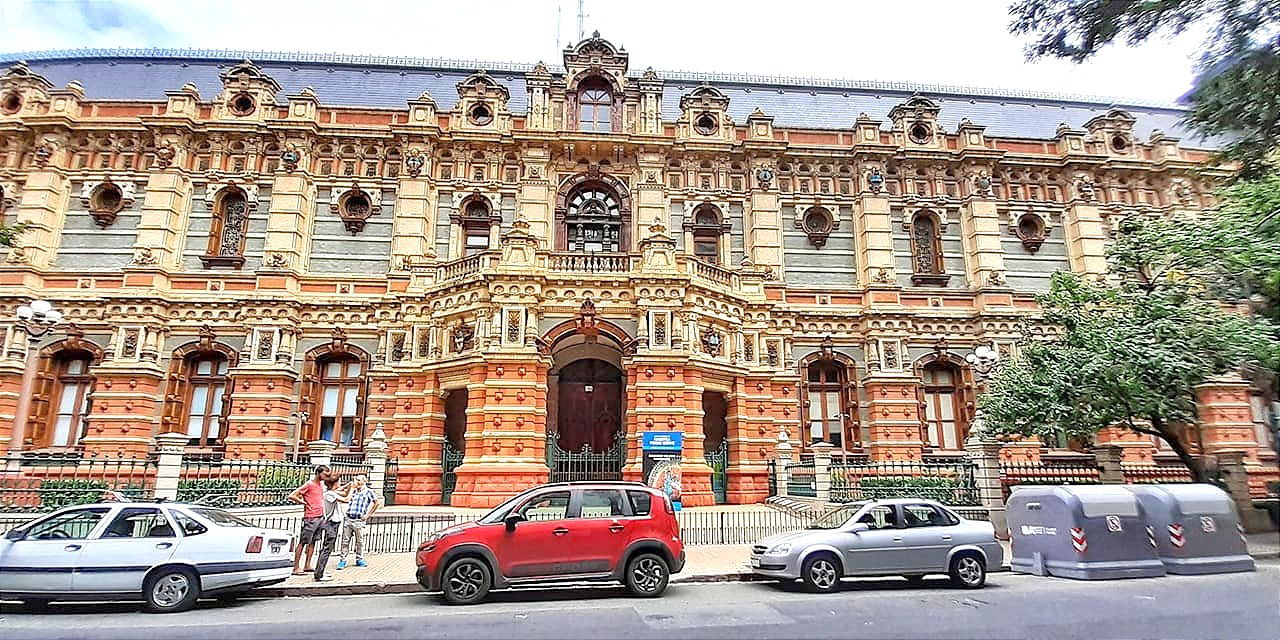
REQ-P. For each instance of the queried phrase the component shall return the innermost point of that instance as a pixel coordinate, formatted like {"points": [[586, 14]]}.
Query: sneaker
{"points": [[325, 579], [360, 562], [342, 564]]}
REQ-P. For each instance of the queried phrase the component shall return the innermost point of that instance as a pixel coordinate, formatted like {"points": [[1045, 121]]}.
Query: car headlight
{"points": [[429, 542], [779, 549]]}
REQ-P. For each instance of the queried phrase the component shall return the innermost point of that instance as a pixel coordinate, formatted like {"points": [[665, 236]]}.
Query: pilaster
{"points": [[43, 207], [165, 206], [290, 221], [980, 235], [873, 229], [413, 230], [1086, 237], [506, 431], [763, 226], [893, 417], [125, 410], [260, 423]]}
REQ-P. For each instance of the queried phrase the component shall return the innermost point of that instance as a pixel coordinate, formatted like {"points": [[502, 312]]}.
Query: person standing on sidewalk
{"points": [[363, 502], [311, 496], [335, 500]]}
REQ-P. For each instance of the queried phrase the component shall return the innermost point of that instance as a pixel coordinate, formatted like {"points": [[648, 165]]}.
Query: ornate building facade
{"points": [[514, 271]]}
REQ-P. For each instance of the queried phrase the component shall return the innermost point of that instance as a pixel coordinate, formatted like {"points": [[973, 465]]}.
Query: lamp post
{"points": [[983, 361], [36, 320]]}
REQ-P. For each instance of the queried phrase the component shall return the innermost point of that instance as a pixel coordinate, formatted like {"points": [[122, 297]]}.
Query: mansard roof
{"points": [[390, 82]]}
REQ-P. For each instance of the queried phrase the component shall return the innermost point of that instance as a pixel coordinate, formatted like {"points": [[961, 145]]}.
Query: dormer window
{"points": [[707, 233], [1119, 144], [476, 226], [480, 114], [595, 106], [706, 124], [242, 104], [11, 103]]}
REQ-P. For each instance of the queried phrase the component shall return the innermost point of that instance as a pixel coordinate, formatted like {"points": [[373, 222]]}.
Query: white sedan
{"points": [[167, 554]]}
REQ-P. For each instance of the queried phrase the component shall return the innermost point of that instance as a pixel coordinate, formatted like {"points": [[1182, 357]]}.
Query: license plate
{"points": [[755, 562], [275, 548]]}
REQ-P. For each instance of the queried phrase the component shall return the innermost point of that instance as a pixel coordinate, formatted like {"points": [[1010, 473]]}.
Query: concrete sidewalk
{"points": [[393, 572]]}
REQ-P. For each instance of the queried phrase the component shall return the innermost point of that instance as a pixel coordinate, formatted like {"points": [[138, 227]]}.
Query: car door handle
{"points": [[615, 528], [897, 539], [71, 547], [164, 545], [561, 531], [946, 537]]}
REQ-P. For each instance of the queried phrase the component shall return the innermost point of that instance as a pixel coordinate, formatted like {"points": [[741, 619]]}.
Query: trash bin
{"points": [[1196, 528], [1089, 532]]}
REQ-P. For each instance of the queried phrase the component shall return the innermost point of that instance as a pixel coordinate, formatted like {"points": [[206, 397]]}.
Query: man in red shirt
{"points": [[311, 496]]}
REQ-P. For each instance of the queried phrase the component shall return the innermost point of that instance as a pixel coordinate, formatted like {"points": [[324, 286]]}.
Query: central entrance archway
{"points": [[585, 430]]}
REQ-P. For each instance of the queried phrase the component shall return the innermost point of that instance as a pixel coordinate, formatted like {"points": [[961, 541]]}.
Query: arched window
{"points": [[205, 406], [476, 225], [227, 230], [825, 402], [707, 231], [593, 220], [926, 251], [595, 106], [944, 425], [69, 399], [341, 383]]}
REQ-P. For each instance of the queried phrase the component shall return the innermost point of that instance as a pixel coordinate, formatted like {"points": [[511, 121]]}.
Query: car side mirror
{"points": [[16, 535], [511, 520], [859, 527]]}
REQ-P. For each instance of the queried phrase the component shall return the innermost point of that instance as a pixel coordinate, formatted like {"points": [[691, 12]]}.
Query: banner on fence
{"points": [[661, 466]]}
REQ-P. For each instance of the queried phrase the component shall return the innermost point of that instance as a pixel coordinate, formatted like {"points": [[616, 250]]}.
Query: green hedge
{"points": [[944, 490], [283, 477], [56, 494], [191, 490]]}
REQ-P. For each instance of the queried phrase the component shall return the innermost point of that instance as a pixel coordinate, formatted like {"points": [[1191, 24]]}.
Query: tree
{"points": [[1130, 351], [1237, 94], [10, 232]]}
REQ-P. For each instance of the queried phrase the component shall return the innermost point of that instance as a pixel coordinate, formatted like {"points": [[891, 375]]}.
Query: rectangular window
{"points": [[140, 522], [601, 503], [548, 506], [641, 502]]}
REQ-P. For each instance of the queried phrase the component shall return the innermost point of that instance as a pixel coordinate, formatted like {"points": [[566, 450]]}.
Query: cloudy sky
{"points": [[955, 42]]}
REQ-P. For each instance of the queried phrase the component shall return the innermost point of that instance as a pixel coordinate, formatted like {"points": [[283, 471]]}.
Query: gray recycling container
{"points": [[1088, 532], [1196, 528]]}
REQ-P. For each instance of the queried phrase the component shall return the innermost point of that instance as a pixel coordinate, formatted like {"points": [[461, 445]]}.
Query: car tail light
{"points": [[254, 546]]}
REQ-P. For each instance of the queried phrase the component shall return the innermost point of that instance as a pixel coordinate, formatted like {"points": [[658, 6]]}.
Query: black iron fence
{"points": [[802, 480], [240, 483], [950, 483], [46, 482], [389, 482]]}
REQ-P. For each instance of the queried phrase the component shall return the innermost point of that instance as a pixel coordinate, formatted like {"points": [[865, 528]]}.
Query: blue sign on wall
{"points": [[662, 440]]}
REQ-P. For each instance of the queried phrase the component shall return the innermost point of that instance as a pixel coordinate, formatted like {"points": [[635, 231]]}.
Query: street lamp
{"points": [[983, 361], [36, 320]]}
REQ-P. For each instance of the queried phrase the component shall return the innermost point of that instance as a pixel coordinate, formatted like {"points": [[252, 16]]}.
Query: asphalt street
{"points": [[1012, 606]]}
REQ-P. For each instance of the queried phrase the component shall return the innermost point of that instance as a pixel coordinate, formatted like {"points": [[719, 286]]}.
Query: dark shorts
{"points": [[311, 527]]}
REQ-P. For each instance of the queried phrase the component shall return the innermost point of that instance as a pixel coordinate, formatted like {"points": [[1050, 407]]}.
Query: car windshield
{"points": [[221, 518], [834, 519], [499, 512]]}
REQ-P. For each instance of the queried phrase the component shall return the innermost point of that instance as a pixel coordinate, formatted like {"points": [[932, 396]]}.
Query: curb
{"points": [[384, 588]]}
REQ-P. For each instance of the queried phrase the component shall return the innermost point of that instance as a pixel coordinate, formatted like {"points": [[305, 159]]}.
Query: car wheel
{"points": [[821, 573], [968, 571], [915, 579], [466, 581], [647, 575], [171, 589]]}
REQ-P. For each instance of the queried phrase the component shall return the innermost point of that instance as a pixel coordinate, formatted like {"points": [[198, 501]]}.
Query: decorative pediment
{"points": [[356, 205], [250, 190], [20, 87], [481, 84], [917, 119], [1114, 130], [247, 75], [595, 52], [247, 92]]}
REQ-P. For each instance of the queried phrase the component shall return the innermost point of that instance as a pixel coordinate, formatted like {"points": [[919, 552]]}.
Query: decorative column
{"points": [[1226, 417], [42, 207], [763, 221], [893, 404], [289, 224], [984, 255], [782, 463], [165, 206], [822, 471], [169, 450], [751, 427], [1086, 232], [127, 398], [261, 415], [535, 197], [506, 430], [873, 230], [984, 454], [1109, 457], [375, 455], [321, 452], [413, 229]]}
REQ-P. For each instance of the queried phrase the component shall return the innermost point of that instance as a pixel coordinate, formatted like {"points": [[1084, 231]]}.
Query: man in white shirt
{"points": [[335, 499]]}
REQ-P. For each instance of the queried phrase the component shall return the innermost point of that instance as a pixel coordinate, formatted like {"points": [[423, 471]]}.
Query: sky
{"points": [[952, 42]]}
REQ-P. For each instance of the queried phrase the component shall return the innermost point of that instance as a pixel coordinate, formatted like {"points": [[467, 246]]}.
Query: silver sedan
{"points": [[906, 537]]}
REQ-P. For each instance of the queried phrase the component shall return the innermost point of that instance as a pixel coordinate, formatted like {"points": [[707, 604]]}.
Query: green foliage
{"points": [[283, 477], [192, 490], [1237, 95], [942, 489], [10, 232], [56, 494]]}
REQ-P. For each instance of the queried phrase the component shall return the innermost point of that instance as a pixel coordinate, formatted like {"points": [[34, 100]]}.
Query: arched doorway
{"points": [[587, 440]]}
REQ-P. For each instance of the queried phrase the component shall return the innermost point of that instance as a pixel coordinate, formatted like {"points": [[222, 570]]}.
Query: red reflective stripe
{"points": [[1078, 541], [1176, 535]]}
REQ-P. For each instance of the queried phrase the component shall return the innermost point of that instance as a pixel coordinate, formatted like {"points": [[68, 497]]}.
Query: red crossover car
{"points": [[574, 531]]}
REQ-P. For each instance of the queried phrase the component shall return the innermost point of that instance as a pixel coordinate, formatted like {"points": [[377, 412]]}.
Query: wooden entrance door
{"points": [[589, 409]]}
